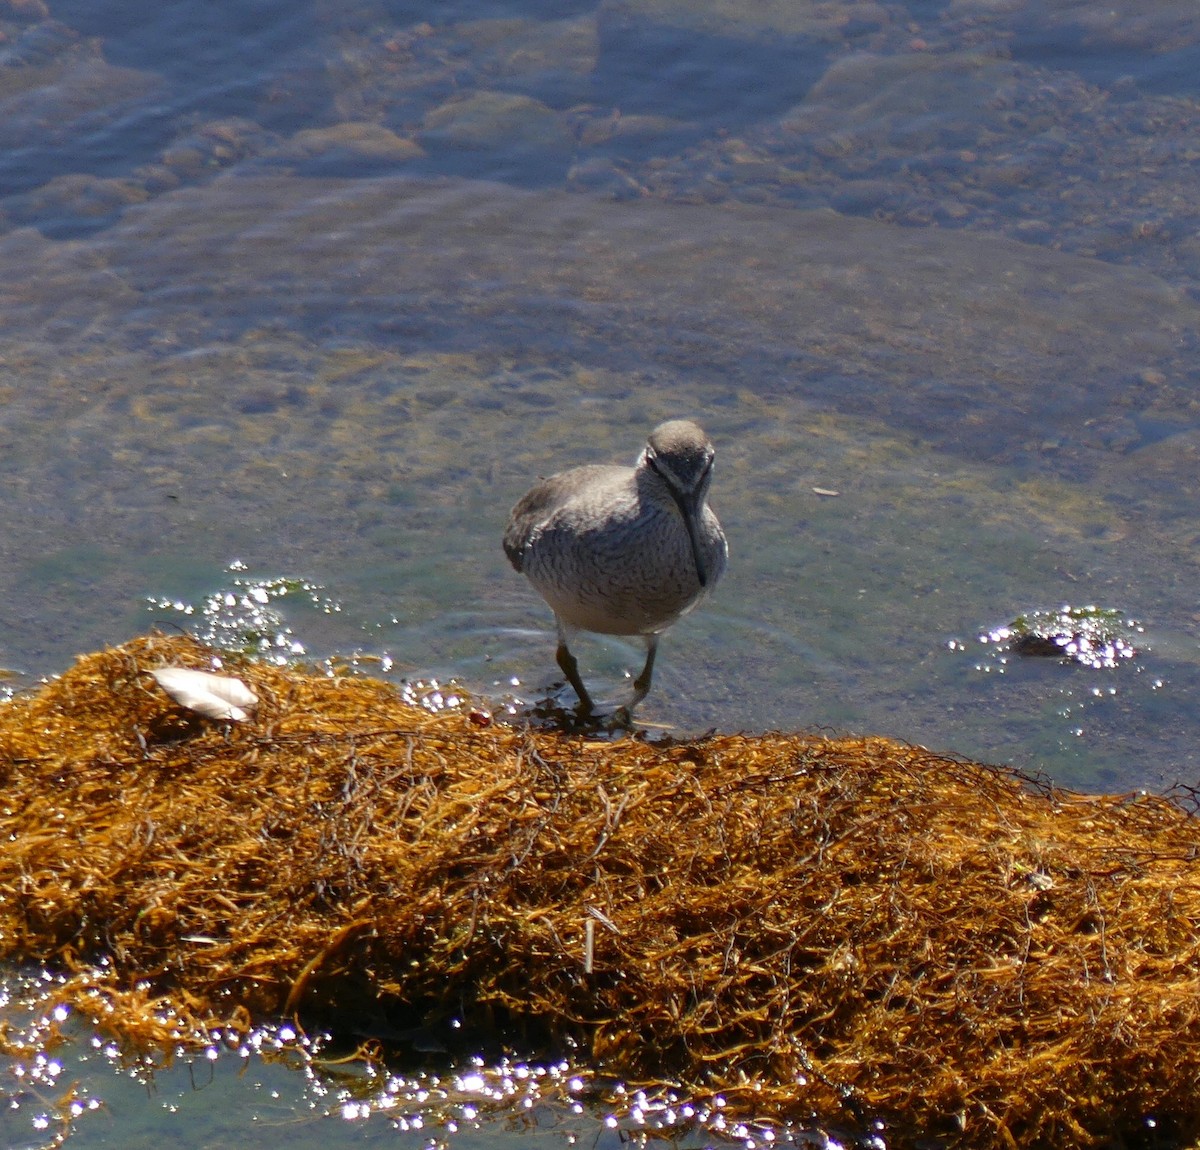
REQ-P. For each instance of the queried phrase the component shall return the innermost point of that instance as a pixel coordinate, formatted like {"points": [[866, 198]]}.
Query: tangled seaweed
{"points": [[846, 931]]}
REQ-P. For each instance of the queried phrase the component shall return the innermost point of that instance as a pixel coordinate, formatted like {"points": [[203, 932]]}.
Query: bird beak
{"points": [[690, 510]]}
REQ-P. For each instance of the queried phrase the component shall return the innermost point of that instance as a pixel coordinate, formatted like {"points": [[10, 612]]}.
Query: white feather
{"points": [[214, 696]]}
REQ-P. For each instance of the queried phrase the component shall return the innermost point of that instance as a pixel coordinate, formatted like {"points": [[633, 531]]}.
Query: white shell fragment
{"points": [[214, 696]]}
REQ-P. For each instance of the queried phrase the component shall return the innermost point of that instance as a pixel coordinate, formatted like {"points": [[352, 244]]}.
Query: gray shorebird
{"points": [[622, 550]]}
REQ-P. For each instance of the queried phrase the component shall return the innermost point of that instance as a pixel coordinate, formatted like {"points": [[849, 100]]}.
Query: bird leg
{"points": [[641, 685], [571, 669]]}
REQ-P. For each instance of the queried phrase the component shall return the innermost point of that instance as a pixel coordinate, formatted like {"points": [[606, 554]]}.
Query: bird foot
{"points": [[554, 712], [621, 719]]}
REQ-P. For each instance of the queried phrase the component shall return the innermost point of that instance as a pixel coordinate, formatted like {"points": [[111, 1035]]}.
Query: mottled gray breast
{"points": [[610, 551]]}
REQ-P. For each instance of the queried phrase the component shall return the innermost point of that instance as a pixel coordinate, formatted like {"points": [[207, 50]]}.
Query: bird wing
{"points": [[539, 504]]}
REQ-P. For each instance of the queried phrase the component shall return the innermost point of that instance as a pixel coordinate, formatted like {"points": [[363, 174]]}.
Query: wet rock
{"points": [[157, 178], [605, 177], [610, 126], [485, 121], [1169, 465], [55, 86], [552, 59], [1166, 26], [54, 303], [350, 146], [868, 198], [394, 75], [968, 139], [400, 76], [811, 19], [77, 202], [910, 105], [213, 146], [1128, 46], [895, 321], [38, 45], [722, 63], [1112, 432], [1096, 637], [28, 9]]}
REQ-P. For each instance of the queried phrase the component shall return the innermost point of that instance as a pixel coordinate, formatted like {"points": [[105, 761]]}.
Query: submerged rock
{"points": [[1093, 636], [349, 146], [494, 120]]}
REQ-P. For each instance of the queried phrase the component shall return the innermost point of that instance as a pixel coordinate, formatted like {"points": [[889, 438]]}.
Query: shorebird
{"points": [[622, 550]]}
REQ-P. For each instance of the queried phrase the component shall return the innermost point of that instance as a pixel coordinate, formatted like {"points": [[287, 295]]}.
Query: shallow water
{"points": [[68, 1080], [317, 290]]}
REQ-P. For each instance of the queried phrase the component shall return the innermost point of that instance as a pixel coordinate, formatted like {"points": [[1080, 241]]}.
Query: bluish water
{"points": [[317, 290], [63, 1079]]}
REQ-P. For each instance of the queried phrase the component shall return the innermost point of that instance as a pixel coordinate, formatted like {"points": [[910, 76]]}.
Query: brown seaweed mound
{"points": [[838, 930]]}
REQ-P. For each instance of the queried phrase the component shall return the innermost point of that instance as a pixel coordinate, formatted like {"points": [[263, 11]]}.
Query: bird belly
{"points": [[597, 583]]}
